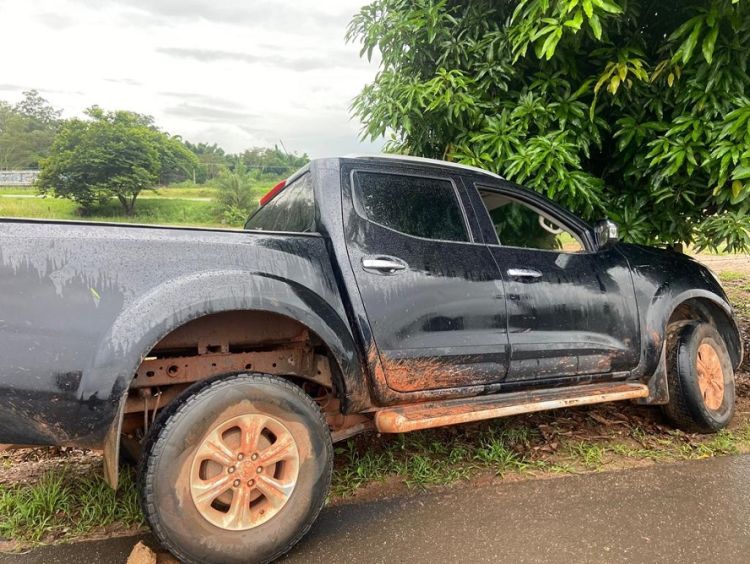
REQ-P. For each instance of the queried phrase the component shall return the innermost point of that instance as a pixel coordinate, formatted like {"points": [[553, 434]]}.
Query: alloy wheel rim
{"points": [[710, 376], [244, 472]]}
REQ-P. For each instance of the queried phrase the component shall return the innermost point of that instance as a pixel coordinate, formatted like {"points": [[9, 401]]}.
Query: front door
{"points": [[432, 294], [571, 309]]}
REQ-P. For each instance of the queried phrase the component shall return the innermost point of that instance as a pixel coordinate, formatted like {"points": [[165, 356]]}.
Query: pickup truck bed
{"points": [[82, 304]]}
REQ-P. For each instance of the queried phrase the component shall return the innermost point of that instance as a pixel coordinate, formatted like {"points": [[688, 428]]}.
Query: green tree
{"points": [[633, 108], [211, 158], [273, 162], [111, 154], [235, 194], [27, 131]]}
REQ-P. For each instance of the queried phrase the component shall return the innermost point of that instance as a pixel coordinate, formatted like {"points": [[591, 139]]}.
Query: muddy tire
{"points": [[236, 470], [700, 378]]}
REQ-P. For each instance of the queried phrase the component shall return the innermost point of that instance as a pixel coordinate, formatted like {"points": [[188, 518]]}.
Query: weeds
{"points": [[731, 276], [166, 206], [590, 455], [62, 506]]}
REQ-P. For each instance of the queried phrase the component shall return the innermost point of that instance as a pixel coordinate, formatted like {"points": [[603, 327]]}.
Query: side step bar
{"points": [[405, 418]]}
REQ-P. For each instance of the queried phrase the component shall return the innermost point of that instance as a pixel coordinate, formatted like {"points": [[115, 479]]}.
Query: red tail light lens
{"points": [[272, 192]]}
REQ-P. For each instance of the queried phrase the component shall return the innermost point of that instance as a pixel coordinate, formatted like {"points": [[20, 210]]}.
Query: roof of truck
{"points": [[421, 160]]}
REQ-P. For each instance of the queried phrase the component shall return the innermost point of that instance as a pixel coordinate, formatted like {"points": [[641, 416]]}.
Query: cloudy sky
{"points": [[237, 72]]}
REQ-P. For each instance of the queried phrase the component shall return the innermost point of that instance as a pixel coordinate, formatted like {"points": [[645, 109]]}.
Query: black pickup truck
{"points": [[386, 293]]}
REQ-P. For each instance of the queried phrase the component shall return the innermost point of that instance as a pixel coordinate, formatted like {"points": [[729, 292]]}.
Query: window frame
{"points": [[544, 208], [290, 183], [362, 214]]}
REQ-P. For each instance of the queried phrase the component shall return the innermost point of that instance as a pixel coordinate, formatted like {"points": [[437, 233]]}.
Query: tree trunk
{"points": [[128, 203]]}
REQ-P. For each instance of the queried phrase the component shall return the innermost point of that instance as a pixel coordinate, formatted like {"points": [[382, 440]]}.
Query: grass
{"points": [[168, 205], [731, 276], [17, 190], [504, 448], [61, 506], [153, 211]]}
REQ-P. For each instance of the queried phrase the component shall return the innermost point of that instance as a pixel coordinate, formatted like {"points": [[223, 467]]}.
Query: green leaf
{"points": [[588, 8], [690, 43], [709, 43], [736, 189], [610, 7], [614, 84], [741, 173], [596, 26]]}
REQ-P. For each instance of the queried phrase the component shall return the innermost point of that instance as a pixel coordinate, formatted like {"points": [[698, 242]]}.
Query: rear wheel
{"points": [[701, 379], [237, 470]]}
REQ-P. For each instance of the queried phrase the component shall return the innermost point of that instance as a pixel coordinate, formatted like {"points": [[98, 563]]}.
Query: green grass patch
{"points": [[429, 458], [167, 205], [731, 276], [17, 190], [444, 456], [150, 211], [590, 455], [208, 190], [61, 506]]}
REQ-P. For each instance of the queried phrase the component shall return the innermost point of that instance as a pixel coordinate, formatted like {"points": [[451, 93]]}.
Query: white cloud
{"points": [[235, 72]]}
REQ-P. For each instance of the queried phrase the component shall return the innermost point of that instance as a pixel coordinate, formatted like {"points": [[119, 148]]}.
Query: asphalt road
{"points": [[685, 512]]}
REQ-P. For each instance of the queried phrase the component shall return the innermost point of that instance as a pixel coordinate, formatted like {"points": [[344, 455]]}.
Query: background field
{"points": [[179, 204]]}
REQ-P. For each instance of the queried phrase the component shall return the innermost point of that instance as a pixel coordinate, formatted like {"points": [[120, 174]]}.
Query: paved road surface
{"points": [[685, 512]]}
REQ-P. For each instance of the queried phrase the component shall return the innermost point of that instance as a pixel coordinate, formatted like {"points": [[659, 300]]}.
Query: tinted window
{"points": [[423, 207], [519, 225], [291, 210]]}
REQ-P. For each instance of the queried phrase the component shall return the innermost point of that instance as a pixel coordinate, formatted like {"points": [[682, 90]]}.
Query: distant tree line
{"points": [[259, 161], [119, 154], [27, 130]]}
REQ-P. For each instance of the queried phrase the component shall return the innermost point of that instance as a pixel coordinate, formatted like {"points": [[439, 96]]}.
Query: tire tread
{"points": [[156, 442]]}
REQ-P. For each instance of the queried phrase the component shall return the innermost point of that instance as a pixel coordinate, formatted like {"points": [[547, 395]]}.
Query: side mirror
{"points": [[606, 233]]}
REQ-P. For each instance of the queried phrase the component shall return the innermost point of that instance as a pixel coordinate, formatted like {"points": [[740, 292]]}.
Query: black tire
{"points": [[164, 475], [687, 406]]}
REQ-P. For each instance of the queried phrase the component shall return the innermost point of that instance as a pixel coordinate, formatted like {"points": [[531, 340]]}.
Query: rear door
{"points": [[571, 308], [432, 294]]}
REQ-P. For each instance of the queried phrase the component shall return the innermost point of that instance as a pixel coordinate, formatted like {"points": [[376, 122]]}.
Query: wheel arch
{"points": [[154, 316], [691, 304], [719, 315]]}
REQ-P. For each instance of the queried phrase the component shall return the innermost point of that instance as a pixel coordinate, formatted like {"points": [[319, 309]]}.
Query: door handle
{"points": [[385, 265], [524, 273]]}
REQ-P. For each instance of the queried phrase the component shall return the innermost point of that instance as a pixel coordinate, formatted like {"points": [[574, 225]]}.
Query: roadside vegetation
{"points": [[182, 204], [90, 167], [60, 505], [49, 495]]}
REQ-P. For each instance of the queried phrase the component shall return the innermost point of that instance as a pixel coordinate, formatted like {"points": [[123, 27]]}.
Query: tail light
{"points": [[272, 192]]}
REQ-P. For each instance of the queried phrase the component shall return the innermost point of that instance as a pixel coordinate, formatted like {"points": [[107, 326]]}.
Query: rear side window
{"points": [[414, 205], [293, 209]]}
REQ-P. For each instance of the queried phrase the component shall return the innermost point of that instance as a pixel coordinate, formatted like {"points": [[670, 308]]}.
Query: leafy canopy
{"points": [[636, 109], [111, 154], [26, 131]]}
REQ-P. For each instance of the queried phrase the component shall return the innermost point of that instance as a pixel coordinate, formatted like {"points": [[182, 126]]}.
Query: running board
{"points": [[412, 417]]}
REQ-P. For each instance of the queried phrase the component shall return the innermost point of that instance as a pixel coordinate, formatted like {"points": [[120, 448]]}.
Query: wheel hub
{"points": [[710, 376], [244, 471]]}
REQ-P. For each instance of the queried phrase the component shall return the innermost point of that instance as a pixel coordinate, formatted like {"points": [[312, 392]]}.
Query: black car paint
{"points": [[81, 304], [579, 317]]}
